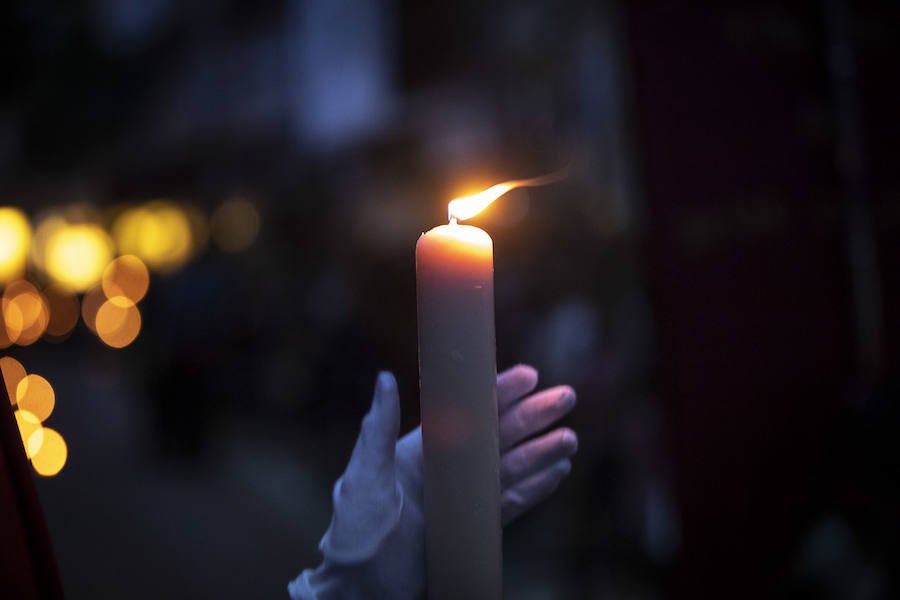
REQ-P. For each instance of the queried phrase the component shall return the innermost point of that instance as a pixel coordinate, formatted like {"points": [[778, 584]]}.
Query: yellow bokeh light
{"points": [[13, 373], [46, 229], [126, 276], [159, 233], [51, 458], [75, 255], [36, 395], [118, 322], [64, 309], [15, 237], [22, 298], [31, 431], [34, 442], [235, 225]]}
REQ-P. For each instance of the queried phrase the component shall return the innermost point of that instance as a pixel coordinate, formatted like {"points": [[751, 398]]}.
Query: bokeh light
{"points": [[34, 442], [22, 299], [36, 395], [118, 322], [46, 228], [15, 236], [64, 309], [13, 373], [199, 229], [158, 232], [91, 302], [34, 399], [75, 255], [235, 225], [126, 276], [11, 322], [52, 455], [31, 430]]}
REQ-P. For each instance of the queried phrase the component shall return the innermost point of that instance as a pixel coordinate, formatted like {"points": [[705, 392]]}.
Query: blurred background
{"points": [[209, 213]]}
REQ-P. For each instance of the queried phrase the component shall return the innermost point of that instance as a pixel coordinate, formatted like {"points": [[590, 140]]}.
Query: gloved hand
{"points": [[374, 547]]}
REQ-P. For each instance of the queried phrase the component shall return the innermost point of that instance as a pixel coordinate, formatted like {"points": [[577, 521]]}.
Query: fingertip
{"points": [[523, 371], [525, 368], [525, 494], [373, 454], [514, 383], [569, 440], [566, 398], [386, 382], [386, 403]]}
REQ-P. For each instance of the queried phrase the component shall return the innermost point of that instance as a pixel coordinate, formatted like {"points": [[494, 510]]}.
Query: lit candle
{"points": [[458, 386], [458, 378]]}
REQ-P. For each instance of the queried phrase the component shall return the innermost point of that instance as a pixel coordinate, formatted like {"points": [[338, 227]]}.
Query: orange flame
{"points": [[460, 209]]}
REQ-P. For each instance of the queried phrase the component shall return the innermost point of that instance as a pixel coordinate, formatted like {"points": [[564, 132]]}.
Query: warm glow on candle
{"points": [[460, 209], [465, 238]]}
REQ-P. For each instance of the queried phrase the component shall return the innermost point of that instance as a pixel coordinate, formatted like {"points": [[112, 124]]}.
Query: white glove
{"points": [[374, 547]]}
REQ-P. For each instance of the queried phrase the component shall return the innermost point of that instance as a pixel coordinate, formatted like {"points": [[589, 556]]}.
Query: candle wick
{"points": [[453, 219]]}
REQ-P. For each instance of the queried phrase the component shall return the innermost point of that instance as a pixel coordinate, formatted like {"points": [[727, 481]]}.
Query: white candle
{"points": [[458, 371], [458, 384]]}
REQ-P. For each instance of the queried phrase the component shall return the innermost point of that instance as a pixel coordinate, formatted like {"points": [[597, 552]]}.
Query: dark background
{"points": [[718, 278]]}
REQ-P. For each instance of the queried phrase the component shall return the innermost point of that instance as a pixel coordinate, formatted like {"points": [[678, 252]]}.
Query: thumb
{"points": [[373, 455], [367, 500]]}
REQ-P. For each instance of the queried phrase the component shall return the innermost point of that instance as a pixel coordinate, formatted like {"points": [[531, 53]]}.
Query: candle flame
{"points": [[466, 207]]}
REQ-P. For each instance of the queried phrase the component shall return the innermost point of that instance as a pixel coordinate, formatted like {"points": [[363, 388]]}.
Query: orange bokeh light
{"points": [[36, 395], [126, 276], [64, 309], [90, 304], [52, 455], [31, 430], [118, 322], [11, 322], [13, 373], [23, 297]]}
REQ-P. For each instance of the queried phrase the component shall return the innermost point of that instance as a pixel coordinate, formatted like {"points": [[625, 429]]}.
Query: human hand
{"points": [[375, 543]]}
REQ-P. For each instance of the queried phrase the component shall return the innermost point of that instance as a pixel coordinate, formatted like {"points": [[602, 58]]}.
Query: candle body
{"points": [[458, 380]]}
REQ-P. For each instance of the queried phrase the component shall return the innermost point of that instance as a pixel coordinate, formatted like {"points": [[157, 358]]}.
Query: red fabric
{"points": [[27, 565], [749, 274]]}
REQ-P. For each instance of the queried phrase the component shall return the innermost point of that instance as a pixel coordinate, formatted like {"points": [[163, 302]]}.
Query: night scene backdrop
{"points": [[718, 277]]}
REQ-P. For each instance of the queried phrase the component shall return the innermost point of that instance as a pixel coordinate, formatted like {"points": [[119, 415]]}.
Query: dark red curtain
{"points": [[746, 242]]}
